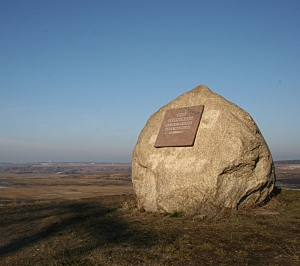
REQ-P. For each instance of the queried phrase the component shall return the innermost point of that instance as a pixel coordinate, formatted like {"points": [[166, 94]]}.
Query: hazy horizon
{"points": [[79, 79], [93, 162]]}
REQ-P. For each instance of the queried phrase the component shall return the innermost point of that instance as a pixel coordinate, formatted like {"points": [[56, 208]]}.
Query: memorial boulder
{"points": [[201, 154]]}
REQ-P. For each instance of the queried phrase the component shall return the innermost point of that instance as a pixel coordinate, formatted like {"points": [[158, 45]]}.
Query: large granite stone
{"points": [[229, 165]]}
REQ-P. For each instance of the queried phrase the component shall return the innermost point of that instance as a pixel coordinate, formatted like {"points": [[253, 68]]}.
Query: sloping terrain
{"points": [[42, 223]]}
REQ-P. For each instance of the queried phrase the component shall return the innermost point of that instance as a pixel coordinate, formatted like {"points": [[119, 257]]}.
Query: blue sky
{"points": [[79, 79]]}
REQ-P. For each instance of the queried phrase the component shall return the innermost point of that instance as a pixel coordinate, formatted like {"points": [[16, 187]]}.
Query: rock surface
{"points": [[228, 167]]}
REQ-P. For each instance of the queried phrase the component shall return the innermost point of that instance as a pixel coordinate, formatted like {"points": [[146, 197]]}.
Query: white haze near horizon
{"points": [[79, 79]]}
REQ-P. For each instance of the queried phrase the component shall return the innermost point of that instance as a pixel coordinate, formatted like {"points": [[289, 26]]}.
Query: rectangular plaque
{"points": [[179, 127]]}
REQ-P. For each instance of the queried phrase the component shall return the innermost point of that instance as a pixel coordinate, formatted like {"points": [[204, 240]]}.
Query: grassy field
{"points": [[86, 215], [109, 230], [26, 188]]}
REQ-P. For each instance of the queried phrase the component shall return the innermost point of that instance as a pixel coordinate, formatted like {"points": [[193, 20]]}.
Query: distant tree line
{"points": [[288, 162]]}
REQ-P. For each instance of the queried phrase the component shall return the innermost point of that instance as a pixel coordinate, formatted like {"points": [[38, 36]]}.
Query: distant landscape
{"points": [[64, 167], [288, 174], [28, 182], [25, 182]]}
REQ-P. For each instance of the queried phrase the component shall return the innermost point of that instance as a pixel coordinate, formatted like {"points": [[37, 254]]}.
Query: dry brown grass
{"points": [[33, 187], [67, 220], [110, 230]]}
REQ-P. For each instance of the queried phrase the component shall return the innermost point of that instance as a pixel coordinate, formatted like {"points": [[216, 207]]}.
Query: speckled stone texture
{"points": [[228, 167]]}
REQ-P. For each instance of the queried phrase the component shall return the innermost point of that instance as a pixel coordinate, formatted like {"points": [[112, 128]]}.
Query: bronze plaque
{"points": [[179, 127]]}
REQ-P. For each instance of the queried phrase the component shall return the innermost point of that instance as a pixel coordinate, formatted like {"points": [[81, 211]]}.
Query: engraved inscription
{"points": [[176, 126], [175, 132], [181, 119], [181, 114], [179, 127]]}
